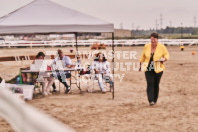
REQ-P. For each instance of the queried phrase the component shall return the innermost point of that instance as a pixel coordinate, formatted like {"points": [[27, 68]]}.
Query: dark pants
{"points": [[153, 80], [61, 78], [54, 86]]}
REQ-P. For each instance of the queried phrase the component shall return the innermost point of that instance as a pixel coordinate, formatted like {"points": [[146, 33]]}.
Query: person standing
{"points": [[152, 62]]}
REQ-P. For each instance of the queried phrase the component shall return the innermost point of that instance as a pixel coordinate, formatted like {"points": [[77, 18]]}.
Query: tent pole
{"points": [[76, 38], [113, 62]]}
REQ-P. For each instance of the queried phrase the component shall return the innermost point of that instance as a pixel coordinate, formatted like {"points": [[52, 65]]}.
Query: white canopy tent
{"points": [[47, 17], [44, 16]]}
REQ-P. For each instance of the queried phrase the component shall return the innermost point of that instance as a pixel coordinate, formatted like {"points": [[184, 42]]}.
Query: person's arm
{"points": [[142, 58], [33, 62], [166, 54], [68, 62], [53, 65], [27, 68], [108, 69], [94, 67], [140, 66], [54, 61]]}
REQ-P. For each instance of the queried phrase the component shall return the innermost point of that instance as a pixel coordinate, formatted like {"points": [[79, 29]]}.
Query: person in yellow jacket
{"points": [[182, 48], [152, 62]]}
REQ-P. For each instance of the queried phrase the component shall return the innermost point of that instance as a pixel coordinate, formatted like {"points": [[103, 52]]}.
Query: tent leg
{"points": [[113, 63], [76, 38]]}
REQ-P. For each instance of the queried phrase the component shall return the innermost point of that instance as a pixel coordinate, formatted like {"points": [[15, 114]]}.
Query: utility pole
{"points": [[161, 20], [156, 24], [137, 29]]}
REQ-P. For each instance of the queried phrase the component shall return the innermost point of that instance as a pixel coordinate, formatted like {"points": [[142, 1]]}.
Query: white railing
{"points": [[24, 118], [124, 42]]}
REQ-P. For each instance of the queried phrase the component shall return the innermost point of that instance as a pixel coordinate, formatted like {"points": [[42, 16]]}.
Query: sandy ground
{"points": [[176, 109]]}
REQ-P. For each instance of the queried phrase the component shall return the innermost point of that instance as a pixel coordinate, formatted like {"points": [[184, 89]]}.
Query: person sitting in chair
{"points": [[102, 71], [60, 62], [48, 80]]}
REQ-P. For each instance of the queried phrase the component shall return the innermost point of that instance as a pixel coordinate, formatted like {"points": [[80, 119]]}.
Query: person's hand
{"points": [[163, 61], [140, 67], [73, 66], [104, 74], [68, 66], [97, 72]]}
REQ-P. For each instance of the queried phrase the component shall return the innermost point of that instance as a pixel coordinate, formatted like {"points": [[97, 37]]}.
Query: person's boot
{"points": [[67, 90], [54, 91]]}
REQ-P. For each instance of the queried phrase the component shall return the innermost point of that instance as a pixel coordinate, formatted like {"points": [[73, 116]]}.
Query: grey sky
{"points": [[141, 14]]}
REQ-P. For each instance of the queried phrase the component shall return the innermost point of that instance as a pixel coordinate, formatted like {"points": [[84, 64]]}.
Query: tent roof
{"points": [[44, 16]]}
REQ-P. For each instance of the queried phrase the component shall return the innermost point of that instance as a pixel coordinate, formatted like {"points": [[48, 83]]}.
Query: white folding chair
{"points": [[93, 82]]}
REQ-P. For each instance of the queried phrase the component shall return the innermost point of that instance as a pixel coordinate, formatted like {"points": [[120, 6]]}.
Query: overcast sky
{"points": [[141, 14]]}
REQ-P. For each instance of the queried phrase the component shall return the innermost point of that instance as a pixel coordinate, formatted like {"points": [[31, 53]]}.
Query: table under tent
{"points": [[46, 17]]}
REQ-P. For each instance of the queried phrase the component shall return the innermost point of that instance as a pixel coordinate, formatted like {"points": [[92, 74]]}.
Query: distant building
{"points": [[118, 33]]}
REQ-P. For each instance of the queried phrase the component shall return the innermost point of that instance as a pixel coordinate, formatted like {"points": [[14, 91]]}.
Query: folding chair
{"points": [[93, 82]]}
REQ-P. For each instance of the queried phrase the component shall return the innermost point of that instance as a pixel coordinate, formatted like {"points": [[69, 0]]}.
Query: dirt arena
{"points": [[176, 109]]}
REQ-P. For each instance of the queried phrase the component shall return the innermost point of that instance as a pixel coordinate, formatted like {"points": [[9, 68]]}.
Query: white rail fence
{"points": [[24, 118], [134, 42]]}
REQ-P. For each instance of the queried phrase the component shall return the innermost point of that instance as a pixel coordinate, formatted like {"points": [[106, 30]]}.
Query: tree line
{"points": [[168, 30]]}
